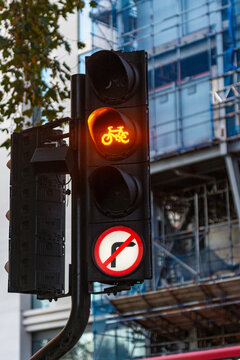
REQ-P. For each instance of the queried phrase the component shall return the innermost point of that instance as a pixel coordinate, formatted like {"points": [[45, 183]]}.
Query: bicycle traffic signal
{"points": [[118, 167]]}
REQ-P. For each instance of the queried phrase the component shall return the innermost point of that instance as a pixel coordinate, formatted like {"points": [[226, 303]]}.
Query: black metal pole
{"points": [[80, 310]]}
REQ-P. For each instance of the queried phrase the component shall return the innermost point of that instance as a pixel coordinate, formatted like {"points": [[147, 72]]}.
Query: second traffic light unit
{"points": [[37, 214], [119, 232]]}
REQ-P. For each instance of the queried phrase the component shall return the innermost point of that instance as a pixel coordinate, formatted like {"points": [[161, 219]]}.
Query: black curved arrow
{"points": [[114, 248]]}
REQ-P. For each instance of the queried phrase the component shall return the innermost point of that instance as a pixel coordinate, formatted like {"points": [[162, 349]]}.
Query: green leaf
{"points": [[93, 3], [66, 66], [81, 45], [3, 42], [67, 46], [6, 144], [28, 112]]}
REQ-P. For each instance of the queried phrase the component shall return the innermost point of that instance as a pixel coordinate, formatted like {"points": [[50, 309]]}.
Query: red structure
{"points": [[213, 354]]}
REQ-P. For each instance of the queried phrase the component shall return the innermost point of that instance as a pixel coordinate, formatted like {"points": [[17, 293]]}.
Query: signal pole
{"points": [[80, 310]]}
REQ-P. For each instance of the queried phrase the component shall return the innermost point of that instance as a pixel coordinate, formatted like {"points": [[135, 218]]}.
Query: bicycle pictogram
{"points": [[117, 134]]}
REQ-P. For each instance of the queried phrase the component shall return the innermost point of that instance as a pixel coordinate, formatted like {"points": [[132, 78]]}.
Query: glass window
{"points": [[165, 74], [83, 350], [194, 65]]}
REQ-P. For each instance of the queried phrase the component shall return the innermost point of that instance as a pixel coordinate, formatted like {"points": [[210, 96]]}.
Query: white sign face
{"points": [[118, 251]]}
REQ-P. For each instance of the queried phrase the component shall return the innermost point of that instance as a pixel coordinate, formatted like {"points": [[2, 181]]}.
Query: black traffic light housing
{"points": [[37, 212], [118, 165]]}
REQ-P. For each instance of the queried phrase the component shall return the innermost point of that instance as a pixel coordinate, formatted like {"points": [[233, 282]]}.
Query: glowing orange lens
{"points": [[112, 132], [117, 134]]}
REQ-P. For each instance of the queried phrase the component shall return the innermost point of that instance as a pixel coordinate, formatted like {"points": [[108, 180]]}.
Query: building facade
{"points": [[192, 302]]}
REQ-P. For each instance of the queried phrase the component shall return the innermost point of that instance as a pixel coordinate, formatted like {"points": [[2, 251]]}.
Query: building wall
{"points": [[189, 44]]}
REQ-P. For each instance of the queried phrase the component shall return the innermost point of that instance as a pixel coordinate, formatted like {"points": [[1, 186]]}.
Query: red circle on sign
{"points": [[103, 264]]}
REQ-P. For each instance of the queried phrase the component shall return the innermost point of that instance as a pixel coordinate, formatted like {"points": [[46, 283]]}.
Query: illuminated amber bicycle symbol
{"points": [[119, 135]]}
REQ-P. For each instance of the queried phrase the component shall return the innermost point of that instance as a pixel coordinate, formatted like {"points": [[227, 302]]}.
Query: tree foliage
{"points": [[29, 32]]}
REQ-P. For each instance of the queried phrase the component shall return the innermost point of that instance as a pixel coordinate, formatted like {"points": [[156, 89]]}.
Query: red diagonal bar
{"points": [[121, 248]]}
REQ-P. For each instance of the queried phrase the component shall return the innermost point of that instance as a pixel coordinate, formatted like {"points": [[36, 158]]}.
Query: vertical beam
{"points": [[205, 200], [178, 91], [221, 126], [229, 224], [196, 210], [206, 220], [153, 124], [234, 179], [155, 234], [236, 101]]}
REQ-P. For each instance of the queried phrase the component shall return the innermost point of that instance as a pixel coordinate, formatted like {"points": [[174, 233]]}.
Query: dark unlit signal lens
{"points": [[115, 191], [115, 78]]}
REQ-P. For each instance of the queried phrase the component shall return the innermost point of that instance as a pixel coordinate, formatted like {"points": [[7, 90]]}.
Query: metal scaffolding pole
{"points": [[197, 251], [234, 179]]}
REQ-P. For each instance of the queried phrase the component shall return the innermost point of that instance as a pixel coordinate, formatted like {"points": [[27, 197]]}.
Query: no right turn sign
{"points": [[118, 251]]}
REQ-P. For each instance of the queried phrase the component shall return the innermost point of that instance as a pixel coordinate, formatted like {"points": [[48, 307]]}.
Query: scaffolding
{"points": [[192, 302], [199, 234]]}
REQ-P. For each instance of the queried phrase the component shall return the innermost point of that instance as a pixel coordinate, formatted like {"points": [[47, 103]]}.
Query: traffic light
{"points": [[37, 216], [119, 229]]}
